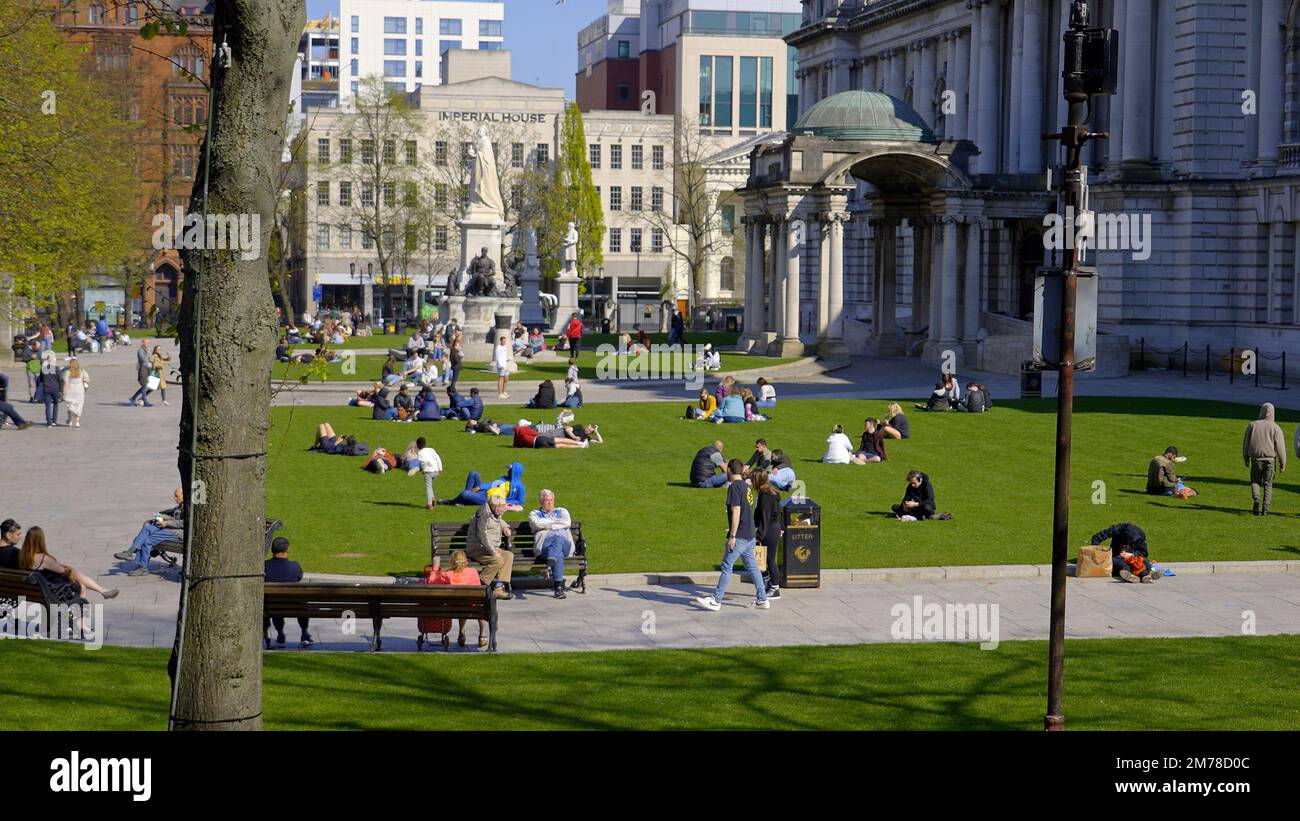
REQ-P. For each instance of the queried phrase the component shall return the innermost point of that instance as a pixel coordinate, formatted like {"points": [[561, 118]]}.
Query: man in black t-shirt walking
{"points": [[740, 541]]}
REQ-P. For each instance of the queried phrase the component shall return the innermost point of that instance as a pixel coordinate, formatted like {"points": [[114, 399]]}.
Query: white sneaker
{"points": [[708, 603], [765, 604]]}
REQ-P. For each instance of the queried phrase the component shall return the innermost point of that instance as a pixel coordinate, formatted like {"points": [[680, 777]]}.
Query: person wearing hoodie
{"points": [[1129, 557], [1263, 449], [476, 489], [918, 498]]}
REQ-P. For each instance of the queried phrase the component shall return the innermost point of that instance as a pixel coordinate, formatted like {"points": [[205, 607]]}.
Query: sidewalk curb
{"points": [[882, 574]]}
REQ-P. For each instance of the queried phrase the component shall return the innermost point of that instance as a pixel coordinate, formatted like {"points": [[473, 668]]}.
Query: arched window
{"points": [[111, 56], [727, 274], [130, 14], [188, 61]]}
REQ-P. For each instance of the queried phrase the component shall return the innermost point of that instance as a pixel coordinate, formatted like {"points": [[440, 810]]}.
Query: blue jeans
{"points": [[744, 549], [149, 537], [765, 403], [782, 478], [51, 408], [470, 496], [715, 481], [555, 546], [9, 411]]}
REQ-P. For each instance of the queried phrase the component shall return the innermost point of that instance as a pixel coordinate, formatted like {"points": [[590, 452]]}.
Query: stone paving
{"points": [[92, 487]]}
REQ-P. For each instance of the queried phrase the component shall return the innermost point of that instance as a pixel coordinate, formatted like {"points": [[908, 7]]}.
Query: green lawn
{"points": [[993, 472], [370, 367], [1239, 685], [719, 339]]}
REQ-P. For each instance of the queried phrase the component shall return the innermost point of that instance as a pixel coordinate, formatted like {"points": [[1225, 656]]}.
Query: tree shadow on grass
{"points": [[1286, 548], [1243, 412]]}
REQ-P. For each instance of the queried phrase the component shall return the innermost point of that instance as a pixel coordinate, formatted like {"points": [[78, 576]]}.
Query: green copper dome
{"points": [[864, 115]]}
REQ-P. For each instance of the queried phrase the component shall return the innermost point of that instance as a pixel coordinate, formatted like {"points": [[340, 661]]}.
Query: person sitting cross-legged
{"points": [[706, 464], [280, 568], [1162, 480], [553, 534], [168, 525]]}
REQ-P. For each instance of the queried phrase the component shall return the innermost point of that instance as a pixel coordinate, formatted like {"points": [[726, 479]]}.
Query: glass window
{"points": [[367, 241], [395, 46], [748, 92], [345, 193], [616, 240], [452, 27], [440, 152], [367, 152], [624, 91], [488, 28], [394, 68], [656, 199], [543, 153], [709, 21], [345, 150], [411, 152], [616, 198], [722, 92], [390, 152], [593, 155], [637, 198], [657, 240], [706, 91], [354, 82], [322, 193], [322, 149], [345, 236], [490, 45], [657, 157], [727, 274], [394, 25], [635, 244], [419, 68], [356, 70], [419, 25], [419, 48], [356, 45], [367, 195], [440, 238], [356, 23], [517, 155], [624, 50], [765, 92], [322, 237], [390, 195], [638, 157], [444, 45], [616, 157], [728, 219]]}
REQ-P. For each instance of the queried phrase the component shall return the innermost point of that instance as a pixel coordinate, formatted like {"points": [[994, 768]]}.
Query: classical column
{"points": [[753, 281], [775, 292], [897, 72], [1270, 82], [795, 235], [869, 65], [886, 242], [923, 91], [948, 297], [920, 317], [836, 331], [1031, 81], [973, 74], [823, 278], [971, 298], [935, 281], [958, 82], [1137, 81], [840, 75], [990, 84], [1016, 79]]}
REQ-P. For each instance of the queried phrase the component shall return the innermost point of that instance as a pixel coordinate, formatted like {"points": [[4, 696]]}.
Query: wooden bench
{"points": [[444, 537], [380, 601], [169, 550], [29, 585]]}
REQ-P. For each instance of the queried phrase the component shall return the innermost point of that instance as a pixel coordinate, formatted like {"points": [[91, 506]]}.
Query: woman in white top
{"points": [[766, 394], [839, 450], [501, 364], [429, 375], [75, 382]]}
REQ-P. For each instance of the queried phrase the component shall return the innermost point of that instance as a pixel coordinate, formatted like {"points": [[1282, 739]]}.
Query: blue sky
{"points": [[543, 36]]}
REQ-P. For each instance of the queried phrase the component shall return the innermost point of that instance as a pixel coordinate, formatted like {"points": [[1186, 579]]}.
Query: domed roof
{"points": [[864, 115]]}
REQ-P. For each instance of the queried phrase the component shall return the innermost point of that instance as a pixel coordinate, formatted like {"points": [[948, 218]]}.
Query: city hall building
{"points": [[904, 211]]}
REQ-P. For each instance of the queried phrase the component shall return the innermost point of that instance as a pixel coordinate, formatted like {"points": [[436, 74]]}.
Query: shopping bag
{"points": [[1093, 562]]}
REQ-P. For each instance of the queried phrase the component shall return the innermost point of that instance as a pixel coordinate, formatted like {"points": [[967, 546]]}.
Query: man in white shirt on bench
{"points": [[553, 534]]}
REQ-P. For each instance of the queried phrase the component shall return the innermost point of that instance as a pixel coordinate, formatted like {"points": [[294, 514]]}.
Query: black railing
{"points": [[1246, 363]]}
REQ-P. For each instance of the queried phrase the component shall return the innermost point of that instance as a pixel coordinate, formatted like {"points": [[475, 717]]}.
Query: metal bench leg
{"points": [[580, 583], [376, 643]]}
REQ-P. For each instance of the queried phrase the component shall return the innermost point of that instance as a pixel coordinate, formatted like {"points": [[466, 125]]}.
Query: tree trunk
{"points": [[218, 667]]}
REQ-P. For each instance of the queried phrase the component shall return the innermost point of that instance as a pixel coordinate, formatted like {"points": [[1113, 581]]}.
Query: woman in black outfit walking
{"points": [[768, 526], [454, 358]]}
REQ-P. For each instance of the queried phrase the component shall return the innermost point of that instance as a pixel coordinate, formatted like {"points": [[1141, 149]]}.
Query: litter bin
{"points": [[1031, 381], [801, 545]]}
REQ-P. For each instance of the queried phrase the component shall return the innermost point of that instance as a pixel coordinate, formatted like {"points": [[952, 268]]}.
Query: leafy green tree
{"points": [[570, 196]]}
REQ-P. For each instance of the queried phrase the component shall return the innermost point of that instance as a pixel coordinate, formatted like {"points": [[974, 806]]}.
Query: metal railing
{"points": [[1244, 365]]}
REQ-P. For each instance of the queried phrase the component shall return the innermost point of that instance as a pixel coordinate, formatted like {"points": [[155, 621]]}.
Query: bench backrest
{"points": [[22, 583], [334, 600], [444, 537]]}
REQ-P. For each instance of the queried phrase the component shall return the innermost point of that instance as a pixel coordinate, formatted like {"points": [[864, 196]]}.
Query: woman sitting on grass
{"points": [[732, 407], [427, 404], [536, 342], [839, 450], [896, 426], [405, 404], [381, 406], [708, 406], [766, 394], [392, 372]]}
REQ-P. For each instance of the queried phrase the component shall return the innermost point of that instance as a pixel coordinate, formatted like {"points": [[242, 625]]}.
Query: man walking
{"points": [[740, 541], [483, 545], [553, 537], [142, 366], [8, 411], [1263, 449], [430, 463]]}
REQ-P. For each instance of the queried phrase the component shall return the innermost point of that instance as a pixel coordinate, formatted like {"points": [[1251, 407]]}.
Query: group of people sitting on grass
{"points": [[527, 342], [730, 402], [947, 396], [547, 398], [871, 447], [405, 403], [66, 584], [709, 466]]}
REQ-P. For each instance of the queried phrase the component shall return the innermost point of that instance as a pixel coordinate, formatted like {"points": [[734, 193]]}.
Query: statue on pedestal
{"points": [[482, 276], [510, 277], [485, 189]]}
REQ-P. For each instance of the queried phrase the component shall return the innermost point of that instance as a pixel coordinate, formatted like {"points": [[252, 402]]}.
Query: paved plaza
{"points": [[92, 487]]}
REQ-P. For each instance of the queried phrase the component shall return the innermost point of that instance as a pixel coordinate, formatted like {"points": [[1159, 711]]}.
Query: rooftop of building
{"points": [[864, 115]]}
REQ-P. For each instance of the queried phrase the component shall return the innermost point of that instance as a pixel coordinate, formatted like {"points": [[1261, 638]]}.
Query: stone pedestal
{"points": [[567, 292], [530, 285], [479, 229], [832, 349], [477, 316], [885, 345], [787, 346]]}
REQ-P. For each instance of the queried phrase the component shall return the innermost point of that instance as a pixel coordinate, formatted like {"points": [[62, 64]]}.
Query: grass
{"points": [[720, 339], [54, 686], [993, 472], [370, 367]]}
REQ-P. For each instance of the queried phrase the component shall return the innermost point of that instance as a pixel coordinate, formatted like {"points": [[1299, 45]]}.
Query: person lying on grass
{"points": [[477, 491], [1129, 555], [565, 436], [327, 441], [365, 398], [380, 461]]}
